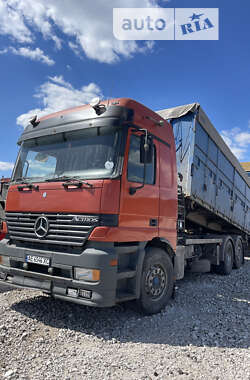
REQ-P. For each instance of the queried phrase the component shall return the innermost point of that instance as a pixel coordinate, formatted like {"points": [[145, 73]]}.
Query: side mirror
{"points": [[146, 150]]}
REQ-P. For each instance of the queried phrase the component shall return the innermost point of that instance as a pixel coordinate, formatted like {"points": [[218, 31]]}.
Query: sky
{"points": [[55, 54]]}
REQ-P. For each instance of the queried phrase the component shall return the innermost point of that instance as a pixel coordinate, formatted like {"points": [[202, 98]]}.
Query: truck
{"points": [[4, 184], [111, 202]]}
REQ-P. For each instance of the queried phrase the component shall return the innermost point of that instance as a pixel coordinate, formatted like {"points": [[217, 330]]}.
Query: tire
{"points": [[157, 281], [239, 253], [225, 267]]}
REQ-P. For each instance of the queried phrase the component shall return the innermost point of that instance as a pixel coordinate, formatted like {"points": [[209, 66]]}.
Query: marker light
{"points": [[5, 260], [97, 106], [85, 293], [72, 292], [95, 102]]}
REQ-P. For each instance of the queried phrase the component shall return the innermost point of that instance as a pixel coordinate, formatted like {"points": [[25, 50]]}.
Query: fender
{"points": [[163, 243]]}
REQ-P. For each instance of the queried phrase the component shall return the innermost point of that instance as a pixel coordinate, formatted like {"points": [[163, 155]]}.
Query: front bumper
{"points": [[103, 292]]}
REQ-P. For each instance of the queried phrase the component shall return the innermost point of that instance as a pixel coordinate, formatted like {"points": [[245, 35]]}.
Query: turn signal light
{"points": [[113, 263], [5, 260], [4, 228]]}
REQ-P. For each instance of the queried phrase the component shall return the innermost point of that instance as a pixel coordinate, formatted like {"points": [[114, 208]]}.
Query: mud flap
{"points": [[179, 262]]}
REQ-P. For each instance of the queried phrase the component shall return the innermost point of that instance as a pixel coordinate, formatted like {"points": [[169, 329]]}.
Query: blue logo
{"points": [[196, 24], [132, 24]]}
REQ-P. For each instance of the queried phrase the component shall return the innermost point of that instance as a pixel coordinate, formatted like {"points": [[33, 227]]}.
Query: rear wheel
{"points": [[157, 281], [239, 253], [226, 266]]}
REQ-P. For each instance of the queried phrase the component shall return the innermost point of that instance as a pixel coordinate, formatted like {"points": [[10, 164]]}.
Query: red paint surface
{"points": [[157, 201]]}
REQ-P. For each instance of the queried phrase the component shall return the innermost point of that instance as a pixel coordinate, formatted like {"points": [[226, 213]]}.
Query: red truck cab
{"points": [[92, 207]]}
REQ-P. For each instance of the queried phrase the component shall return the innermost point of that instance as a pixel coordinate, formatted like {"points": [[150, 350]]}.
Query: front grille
{"points": [[63, 229]]}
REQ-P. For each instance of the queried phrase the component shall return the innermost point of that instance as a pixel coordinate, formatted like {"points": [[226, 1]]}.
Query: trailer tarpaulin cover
{"points": [[178, 112], [173, 113]]}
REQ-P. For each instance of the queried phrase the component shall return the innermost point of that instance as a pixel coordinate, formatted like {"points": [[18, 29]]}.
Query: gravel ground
{"points": [[203, 334]]}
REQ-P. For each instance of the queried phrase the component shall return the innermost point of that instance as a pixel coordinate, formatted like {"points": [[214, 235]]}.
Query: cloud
{"points": [[4, 51], [238, 141], [76, 48], [6, 165], [12, 23], [35, 55], [87, 25], [243, 139], [57, 94]]}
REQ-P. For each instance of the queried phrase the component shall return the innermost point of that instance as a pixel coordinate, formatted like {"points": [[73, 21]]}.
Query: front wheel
{"points": [[157, 281]]}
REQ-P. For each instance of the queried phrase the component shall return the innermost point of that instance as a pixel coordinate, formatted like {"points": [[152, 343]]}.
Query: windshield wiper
{"points": [[69, 179], [27, 180], [21, 180]]}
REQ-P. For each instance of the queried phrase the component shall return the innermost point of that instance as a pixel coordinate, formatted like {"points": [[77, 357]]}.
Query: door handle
{"points": [[153, 222]]}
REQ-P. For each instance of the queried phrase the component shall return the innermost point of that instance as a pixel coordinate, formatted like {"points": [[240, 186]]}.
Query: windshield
{"points": [[87, 153]]}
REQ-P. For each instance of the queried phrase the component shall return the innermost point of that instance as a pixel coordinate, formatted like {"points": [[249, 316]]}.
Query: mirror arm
{"points": [[27, 168]]}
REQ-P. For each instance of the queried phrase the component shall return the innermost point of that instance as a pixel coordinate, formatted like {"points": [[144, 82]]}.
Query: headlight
{"points": [[5, 260], [83, 274]]}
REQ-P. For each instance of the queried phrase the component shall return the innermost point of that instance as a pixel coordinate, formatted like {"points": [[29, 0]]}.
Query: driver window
{"points": [[135, 168]]}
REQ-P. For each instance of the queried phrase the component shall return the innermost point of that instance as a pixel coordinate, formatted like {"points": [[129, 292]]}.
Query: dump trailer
{"points": [[111, 202], [213, 188]]}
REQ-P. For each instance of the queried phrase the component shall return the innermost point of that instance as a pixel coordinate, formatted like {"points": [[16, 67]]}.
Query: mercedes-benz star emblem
{"points": [[41, 227]]}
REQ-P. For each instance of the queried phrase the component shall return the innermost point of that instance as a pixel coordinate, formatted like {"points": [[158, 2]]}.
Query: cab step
{"points": [[126, 274]]}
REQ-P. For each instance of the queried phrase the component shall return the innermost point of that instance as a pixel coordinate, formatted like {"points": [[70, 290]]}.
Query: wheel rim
{"points": [[156, 280]]}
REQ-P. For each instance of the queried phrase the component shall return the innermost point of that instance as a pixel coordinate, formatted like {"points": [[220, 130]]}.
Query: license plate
{"points": [[37, 260]]}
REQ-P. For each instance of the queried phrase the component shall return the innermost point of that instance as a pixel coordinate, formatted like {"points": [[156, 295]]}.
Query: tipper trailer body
{"points": [[98, 212], [209, 173]]}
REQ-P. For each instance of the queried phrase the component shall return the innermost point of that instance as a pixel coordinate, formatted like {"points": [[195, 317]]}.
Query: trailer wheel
{"points": [[239, 253], [226, 266], [157, 281]]}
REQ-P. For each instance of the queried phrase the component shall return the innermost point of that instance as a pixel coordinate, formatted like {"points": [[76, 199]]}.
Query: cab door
{"points": [[139, 212]]}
